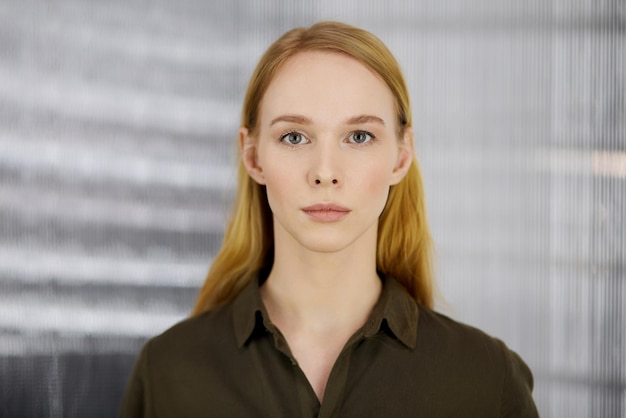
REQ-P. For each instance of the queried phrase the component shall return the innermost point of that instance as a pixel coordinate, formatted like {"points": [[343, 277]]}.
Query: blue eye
{"points": [[360, 137], [293, 138]]}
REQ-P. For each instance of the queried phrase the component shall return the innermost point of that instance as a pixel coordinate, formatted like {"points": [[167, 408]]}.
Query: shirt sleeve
{"points": [[136, 401], [517, 400]]}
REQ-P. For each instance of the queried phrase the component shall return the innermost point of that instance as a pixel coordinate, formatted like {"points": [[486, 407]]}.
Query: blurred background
{"points": [[117, 128]]}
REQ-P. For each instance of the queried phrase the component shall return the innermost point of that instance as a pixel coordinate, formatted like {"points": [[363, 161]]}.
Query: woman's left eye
{"points": [[360, 137]]}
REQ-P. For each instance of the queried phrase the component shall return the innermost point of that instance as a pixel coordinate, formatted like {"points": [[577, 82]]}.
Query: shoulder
{"points": [[470, 358], [185, 367], [446, 338], [450, 335], [194, 336]]}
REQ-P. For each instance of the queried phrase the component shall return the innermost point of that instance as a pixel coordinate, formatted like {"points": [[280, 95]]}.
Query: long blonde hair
{"points": [[404, 246]]}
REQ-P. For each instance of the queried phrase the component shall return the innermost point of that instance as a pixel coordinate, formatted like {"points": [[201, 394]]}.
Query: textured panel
{"points": [[117, 128]]}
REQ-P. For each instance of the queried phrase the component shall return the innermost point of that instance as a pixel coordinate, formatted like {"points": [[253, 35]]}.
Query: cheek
{"points": [[379, 190], [281, 181], [375, 182]]}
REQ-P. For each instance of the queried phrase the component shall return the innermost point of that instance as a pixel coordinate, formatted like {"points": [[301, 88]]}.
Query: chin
{"points": [[325, 249], [326, 244]]}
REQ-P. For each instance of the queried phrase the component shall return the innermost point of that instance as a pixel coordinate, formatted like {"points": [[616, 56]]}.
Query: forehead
{"points": [[326, 86]]}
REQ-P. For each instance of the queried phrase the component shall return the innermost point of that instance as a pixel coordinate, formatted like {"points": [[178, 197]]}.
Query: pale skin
{"points": [[327, 135]]}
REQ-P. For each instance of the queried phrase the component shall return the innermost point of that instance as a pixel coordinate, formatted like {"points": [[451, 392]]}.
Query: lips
{"points": [[326, 212]]}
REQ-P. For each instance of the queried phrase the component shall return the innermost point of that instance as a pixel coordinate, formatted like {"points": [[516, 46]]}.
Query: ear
{"points": [[249, 155], [405, 156]]}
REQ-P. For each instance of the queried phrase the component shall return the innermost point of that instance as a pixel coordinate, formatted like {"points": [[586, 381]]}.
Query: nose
{"points": [[319, 181], [325, 167]]}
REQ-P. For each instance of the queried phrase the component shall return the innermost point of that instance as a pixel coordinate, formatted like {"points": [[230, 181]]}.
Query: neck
{"points": [[322, 291]]}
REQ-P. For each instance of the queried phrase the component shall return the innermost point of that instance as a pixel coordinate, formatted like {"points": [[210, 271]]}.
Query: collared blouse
{"points": [[406, 361]]}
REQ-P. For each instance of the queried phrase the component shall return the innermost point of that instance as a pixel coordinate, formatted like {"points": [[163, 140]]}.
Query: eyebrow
{"points": [[299, 119], [357, 120], [303, 120]]}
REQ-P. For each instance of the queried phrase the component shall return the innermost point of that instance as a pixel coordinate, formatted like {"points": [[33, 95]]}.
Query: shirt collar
{"points": [[395, 312], [248, 311]]}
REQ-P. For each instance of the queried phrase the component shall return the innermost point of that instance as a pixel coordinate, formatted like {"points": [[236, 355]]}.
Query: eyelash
{"points": [[283, 138], [372, 138]]}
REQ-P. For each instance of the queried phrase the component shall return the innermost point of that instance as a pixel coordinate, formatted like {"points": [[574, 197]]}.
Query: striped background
{"points": [[117, 121]]}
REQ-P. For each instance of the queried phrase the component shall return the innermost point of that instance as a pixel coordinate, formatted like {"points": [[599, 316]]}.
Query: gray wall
{"points": [[117, 122]]}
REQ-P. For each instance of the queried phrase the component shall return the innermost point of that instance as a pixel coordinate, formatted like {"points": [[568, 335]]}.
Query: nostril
{"points": [[317, 181], [334, 181]]}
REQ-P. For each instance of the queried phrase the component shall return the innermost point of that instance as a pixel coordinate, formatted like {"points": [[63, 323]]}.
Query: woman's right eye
{"points": [[294, 138]]}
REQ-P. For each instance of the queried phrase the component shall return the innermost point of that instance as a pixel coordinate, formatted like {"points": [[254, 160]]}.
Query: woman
{"points": [[319, 303]]}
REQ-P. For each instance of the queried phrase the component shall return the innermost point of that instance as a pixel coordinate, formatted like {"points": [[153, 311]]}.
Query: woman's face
{"points": [[327, 150]]}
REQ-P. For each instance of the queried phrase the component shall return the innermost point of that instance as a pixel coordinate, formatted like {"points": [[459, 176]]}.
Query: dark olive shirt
{"points": [[406, 361]]}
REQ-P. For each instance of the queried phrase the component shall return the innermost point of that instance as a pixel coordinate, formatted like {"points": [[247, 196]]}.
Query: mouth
{"points": [[326, 212]]}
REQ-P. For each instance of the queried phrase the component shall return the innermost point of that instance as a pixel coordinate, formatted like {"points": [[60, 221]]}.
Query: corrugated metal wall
{"points": [[117, 122]]}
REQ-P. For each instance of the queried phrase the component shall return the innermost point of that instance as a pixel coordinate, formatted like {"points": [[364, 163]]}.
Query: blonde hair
{"points": [[404, 246]]}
